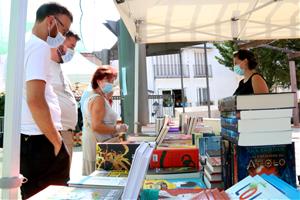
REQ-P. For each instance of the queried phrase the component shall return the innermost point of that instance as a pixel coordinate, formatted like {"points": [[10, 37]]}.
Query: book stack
{"points": [[213, 173], [261, 119], [262, 187], [256, 137], [209, 194]]}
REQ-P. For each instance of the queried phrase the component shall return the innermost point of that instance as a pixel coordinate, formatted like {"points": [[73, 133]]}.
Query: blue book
{"points": [[282, 186], [273, 159]]}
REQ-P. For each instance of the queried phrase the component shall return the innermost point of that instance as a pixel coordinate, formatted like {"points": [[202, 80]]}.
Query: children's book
{"points": [[54, 192]]}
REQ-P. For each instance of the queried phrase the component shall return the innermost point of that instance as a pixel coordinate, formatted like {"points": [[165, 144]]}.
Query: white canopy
{"points": [[157, 21]]}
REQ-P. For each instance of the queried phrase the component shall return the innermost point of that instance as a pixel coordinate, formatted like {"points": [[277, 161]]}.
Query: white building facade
{"points": [[164, 76]]}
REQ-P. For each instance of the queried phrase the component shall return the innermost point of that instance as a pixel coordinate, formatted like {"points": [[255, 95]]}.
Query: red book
{"points": [[175, 157]]}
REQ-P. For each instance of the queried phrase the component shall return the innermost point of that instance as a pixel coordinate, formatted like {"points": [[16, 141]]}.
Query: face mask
{"points": [[237, 69], [68, 56], [108, 87], [58, 40]]}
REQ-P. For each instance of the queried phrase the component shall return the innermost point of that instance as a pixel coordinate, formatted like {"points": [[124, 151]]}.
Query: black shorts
{"points": [[40, 166]]}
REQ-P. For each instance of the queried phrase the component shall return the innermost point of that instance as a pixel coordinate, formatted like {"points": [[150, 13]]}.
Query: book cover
{"points": [[257, 102], [175, 157], [115, 156], [226, 164], [183, 183], [285, 188], [273, 159], [178, 193], [54, 192], [173, 175], [248, 188]]}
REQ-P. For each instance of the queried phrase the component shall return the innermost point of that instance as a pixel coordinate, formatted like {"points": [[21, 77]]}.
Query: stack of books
{"points": [[261, 119], [262, 187], [257, 137], [213, 173]]}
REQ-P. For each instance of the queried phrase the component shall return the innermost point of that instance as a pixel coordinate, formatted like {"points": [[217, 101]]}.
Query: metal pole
{"points": [[181, 79], [14, 86], [207, 80], [294, 89], [136, 87]]}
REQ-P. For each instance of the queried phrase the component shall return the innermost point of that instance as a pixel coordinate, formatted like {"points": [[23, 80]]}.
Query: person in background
{"points": [[99, 118], [62, 88], [244, 65], [44, 159]]}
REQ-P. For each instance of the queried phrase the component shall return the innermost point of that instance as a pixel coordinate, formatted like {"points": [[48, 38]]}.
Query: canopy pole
{"points": [[14, 87], [181, 79], [294, 89], [207, 80], [136, 87]]}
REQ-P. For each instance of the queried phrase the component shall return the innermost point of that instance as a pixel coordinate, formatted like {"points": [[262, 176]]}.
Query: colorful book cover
{"points": [[274, 159], [115, 156], [183, 183], [285, 188], [248, 188], [175, 157]]}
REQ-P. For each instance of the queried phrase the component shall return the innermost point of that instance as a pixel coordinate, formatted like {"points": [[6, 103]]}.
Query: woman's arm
{"points": [[259, 85], [97, 110]]}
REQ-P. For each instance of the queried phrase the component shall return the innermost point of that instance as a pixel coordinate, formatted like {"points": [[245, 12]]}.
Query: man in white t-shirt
{"points": [[44, 158], [62, 88]]}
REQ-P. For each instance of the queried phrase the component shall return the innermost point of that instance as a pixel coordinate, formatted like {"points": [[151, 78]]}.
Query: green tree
{"points": [[272, 64]]}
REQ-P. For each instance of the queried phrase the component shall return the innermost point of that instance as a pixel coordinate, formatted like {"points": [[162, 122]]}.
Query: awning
{"points": [[156, 21]]}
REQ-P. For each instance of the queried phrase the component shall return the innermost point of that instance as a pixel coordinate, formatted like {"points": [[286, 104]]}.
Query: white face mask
{"points": [[68, 56], [58, 40]]}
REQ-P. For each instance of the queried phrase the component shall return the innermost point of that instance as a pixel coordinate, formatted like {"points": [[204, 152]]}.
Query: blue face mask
{"points": [[108, 88], [237, 69]]}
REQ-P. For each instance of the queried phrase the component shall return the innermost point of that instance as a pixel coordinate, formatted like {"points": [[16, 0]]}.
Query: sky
{"points": [[95, 36]]}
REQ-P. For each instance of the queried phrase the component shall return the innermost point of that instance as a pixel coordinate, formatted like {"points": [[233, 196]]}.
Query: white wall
{"points": [[222, 83]]}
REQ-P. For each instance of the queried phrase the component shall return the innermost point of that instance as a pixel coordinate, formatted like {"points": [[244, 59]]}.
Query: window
{"points": [[168, 66], [199, 66], [202, 97]]}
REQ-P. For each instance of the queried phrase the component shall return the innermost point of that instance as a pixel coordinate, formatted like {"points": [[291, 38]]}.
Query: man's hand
{"points": [[57, 145]]}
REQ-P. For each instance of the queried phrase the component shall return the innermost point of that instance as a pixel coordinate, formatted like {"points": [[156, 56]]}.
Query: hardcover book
{"points": [[115, 156], [257, 102], [175, 157], [258, 114], [273, 159]]}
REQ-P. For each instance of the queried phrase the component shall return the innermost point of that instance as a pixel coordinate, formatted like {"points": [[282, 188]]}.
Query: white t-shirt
{"points": [[37, 64], [62, 88]]}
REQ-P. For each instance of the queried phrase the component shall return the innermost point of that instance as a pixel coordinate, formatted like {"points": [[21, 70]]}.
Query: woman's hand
{"points": [[121, 128]]}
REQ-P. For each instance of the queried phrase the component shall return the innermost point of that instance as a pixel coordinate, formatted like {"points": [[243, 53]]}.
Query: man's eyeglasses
{"points": [[56, 18]]}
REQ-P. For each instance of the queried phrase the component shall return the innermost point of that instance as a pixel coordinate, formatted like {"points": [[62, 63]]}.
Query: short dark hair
{"points": [[52, 9], [100, 74], [72, 34], [243, 54]]}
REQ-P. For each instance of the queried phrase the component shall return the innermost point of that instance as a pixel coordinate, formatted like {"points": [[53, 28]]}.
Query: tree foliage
{"points": [[272, 64]]}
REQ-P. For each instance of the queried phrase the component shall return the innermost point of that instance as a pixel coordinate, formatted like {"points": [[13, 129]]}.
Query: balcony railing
{"points": [[199, 71], [170, 71]]}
